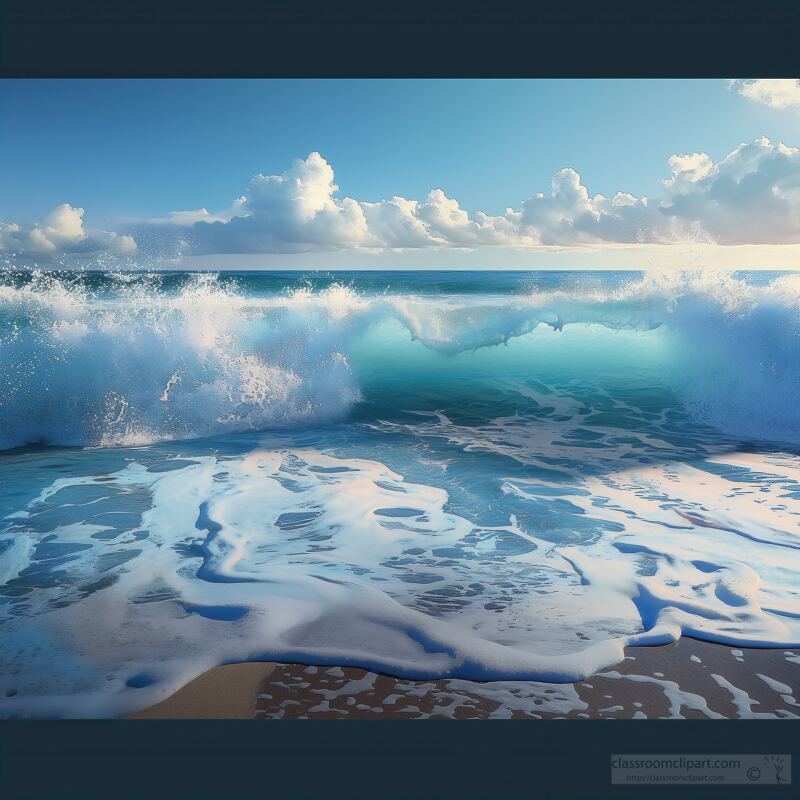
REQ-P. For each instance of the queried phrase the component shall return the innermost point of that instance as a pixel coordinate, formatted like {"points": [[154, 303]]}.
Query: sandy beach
{"points": [[687, 679]]}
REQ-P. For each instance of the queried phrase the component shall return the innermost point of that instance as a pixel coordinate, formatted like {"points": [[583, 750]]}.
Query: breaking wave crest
{"points": [[137, 362]]}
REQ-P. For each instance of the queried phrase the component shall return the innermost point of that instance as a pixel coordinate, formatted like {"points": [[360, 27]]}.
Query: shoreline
{"points": [[685, 679]]}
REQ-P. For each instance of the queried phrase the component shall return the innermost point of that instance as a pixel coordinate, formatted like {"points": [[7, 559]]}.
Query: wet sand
{"points": [[686, 679], [228, 692]]}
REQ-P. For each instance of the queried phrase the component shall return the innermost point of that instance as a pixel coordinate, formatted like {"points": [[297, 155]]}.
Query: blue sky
{"points": [[137, 149]]}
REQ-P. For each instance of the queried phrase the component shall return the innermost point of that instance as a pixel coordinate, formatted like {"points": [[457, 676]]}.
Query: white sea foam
{"points": [[292, 554]]}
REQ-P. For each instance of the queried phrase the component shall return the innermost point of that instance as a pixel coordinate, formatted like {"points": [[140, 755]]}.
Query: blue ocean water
{"points": [[474, 474]]}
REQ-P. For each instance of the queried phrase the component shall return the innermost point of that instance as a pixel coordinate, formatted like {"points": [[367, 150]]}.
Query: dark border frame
{"points": [[412, 38]]}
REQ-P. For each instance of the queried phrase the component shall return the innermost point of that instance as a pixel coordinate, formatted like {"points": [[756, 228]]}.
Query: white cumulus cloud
{"points": [[291, 212], [774, 92], [752, 196], [568, 215], [62, 232]]}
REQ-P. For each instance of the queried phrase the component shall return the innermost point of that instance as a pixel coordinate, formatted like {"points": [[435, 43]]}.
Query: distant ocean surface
{"points": [[488, 475]]}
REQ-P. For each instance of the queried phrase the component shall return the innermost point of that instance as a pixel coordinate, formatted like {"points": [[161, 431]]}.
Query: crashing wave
{"points": [[137, 363]]}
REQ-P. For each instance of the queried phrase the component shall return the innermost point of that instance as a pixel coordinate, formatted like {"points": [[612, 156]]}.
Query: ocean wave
{"points": [[135, 363]]}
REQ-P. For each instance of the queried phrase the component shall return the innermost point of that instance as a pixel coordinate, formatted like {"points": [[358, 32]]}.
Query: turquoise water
{"points": [[486, 475]]}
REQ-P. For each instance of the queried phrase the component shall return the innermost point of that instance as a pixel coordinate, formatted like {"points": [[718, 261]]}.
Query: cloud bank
{"points": [[750, 197]]}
